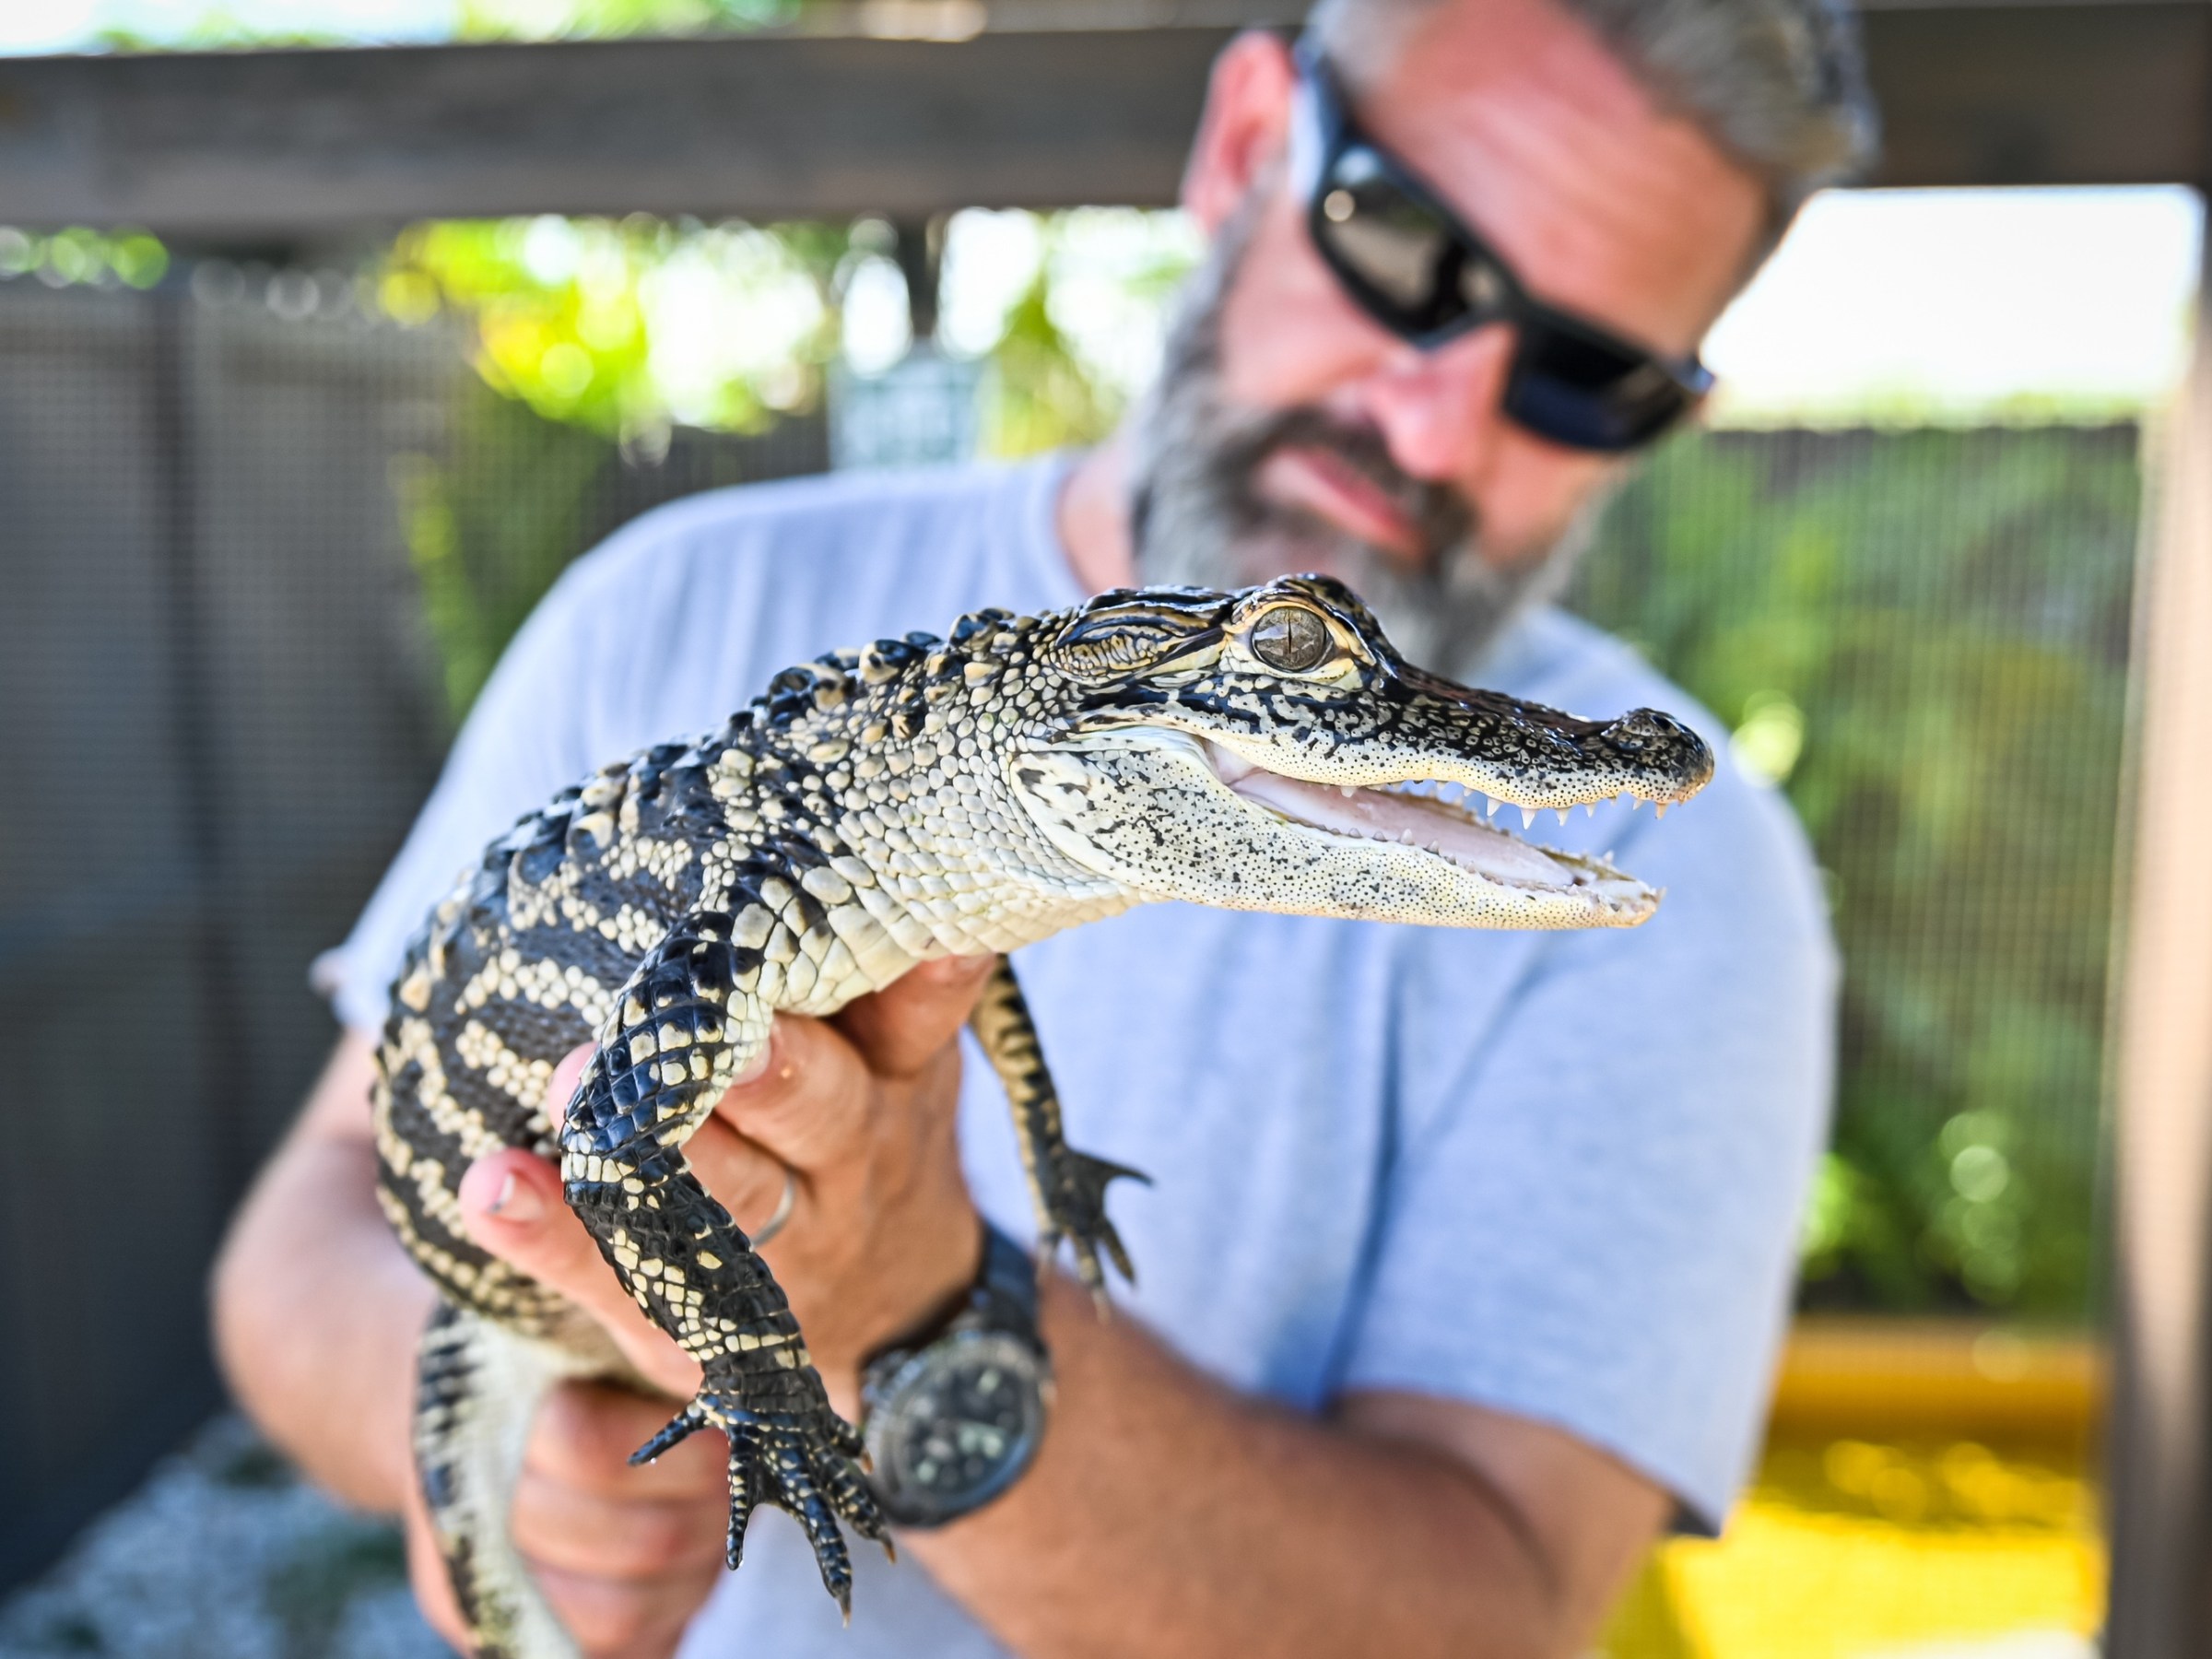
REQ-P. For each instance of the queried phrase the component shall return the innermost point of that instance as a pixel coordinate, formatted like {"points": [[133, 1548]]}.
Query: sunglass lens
{"points": [[1588, 394], [1391, 244]]}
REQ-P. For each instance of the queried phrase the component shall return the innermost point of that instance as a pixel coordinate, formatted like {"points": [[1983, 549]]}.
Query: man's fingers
{"points": [[585, 1432], [810, 1106], [900, 1030], [634, 1619], [512, 1205], [746, 1177], [558, 1525], [747, 1180]]}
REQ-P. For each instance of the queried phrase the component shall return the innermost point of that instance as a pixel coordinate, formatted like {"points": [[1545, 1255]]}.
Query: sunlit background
{"points": [[1898, 565]]}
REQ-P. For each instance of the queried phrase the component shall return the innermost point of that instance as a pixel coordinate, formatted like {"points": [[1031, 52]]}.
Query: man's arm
{"points": [[317, 1310], [1166, 1514]]}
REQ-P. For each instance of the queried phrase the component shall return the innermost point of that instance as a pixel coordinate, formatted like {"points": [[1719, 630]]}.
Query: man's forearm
{"points": [[1167, 1515], [316, 1306]]}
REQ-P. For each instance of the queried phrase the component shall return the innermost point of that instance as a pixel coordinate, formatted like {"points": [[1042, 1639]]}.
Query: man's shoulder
{"points": [[825, 516], [688, 609]]}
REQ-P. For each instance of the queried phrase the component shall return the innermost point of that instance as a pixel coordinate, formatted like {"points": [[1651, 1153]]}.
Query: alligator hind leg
{"points": [[696, 1009], [477, 1389], [1069, 1187]]}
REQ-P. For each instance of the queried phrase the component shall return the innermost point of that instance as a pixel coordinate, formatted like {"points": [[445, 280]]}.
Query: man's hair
{"points": [[1779, 85]]}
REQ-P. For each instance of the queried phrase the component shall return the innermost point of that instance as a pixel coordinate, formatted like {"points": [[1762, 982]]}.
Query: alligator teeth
{"points": [[1589, 809], [1489, 808], [1659, 810], [1562, 811], [1528, 817]]}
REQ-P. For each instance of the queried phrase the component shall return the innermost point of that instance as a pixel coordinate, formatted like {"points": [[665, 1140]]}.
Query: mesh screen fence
{"points": [[257, 566], [1924, 635], [254, 564]]}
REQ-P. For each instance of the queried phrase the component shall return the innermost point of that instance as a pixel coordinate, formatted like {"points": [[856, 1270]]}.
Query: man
{"points": [[1468, 1253]]}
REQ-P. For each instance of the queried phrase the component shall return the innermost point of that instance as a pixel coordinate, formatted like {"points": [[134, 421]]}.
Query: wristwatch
{"points": [[952, 1419]]}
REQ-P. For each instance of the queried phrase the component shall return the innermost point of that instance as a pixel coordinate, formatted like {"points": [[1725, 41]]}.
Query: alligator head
{"points": [[1268, 750]]}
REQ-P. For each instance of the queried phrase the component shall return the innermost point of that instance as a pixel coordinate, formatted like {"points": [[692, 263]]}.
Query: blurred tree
{"points": [[549, 20], [626, 327], [1924, 635], [489, 524], [220, 26]]}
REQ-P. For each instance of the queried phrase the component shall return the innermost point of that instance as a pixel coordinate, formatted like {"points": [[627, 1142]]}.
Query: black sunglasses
{"points": [[1420, 271]]}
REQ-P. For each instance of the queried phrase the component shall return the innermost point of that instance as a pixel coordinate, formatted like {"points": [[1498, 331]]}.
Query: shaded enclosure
{"points": [[1925, 635], [221, 699], [257, 567]]}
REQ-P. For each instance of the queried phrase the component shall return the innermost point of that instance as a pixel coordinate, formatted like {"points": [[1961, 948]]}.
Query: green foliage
{"points": [[623, 327], [584, 19], [81, 257], [491, 525], [1926, 634], [219, 28], [1103, 278], [1039, 395]]}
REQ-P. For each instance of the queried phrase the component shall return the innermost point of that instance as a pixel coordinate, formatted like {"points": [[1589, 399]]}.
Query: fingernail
{"points": [[515, 1202], [753, 1070]]}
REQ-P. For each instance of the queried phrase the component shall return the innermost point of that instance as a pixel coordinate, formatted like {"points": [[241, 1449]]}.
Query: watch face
{"points": [[958, 1423]]}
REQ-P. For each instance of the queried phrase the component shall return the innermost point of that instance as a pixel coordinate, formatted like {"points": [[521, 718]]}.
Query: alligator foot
{"points": [[1076, 1211], [1069, 1187], [803, 1463]]}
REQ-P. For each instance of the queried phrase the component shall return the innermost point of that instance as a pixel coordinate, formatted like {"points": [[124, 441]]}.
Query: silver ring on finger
{"points": [[785, 1206]]}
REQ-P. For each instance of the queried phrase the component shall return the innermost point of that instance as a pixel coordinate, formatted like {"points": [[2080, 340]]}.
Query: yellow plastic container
{"points": [[1926, 1493]]}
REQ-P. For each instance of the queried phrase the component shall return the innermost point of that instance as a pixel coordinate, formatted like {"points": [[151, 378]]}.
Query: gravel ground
{"points": [[224, 1553]]}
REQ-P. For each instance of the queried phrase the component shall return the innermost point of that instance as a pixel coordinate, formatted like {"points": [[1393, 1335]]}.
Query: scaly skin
{"points": [[876, 809]]}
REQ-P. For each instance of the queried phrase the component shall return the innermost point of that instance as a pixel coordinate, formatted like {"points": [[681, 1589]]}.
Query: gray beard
{"points": [[1197, 518]]}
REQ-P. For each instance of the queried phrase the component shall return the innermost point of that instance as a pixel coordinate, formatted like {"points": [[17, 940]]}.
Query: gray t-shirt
{"points": [[1555, 1174]]}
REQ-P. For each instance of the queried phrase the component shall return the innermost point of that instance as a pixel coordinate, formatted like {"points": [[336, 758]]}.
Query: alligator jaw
{"points": [[1425, 823]]}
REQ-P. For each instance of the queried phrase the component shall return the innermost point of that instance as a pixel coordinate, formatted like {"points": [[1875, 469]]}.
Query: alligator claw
{"points": [[1079, 1217], [806, 1468]]}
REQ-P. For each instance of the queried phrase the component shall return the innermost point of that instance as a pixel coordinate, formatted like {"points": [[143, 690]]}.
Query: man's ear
{"points": [[1245, 125]]}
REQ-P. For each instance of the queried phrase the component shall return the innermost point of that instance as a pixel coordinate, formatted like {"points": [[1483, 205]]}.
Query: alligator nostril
{"points": [[1633, 731]]}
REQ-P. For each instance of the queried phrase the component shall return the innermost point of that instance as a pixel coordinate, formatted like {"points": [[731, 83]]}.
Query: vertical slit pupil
{"points": [[1290, 638]]}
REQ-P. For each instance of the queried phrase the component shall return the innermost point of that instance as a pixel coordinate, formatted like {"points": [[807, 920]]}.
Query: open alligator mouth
{"points": [[1409, 816]]}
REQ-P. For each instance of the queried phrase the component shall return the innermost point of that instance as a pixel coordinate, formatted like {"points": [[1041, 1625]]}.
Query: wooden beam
{"points": [[2160, 1474], [2092, 93], [300, 145]]}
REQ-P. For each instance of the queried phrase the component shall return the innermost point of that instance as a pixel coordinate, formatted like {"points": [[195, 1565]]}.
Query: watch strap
{"points": [[1007, 1282]]}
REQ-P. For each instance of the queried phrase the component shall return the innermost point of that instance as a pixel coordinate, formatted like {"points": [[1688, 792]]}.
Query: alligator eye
{"points": [[1290, 638]]}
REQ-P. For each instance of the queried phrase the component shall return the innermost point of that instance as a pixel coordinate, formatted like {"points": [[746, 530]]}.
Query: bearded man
{"points": [[1469, 1253]]}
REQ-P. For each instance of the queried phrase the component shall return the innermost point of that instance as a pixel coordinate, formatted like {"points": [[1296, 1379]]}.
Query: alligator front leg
{"points": [[1069, 1187], [693, 1013]]}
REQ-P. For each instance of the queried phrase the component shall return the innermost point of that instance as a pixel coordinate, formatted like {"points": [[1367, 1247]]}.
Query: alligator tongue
{"points": [[1383, 815]]}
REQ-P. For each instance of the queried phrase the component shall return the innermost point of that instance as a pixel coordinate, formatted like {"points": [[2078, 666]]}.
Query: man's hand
{"points": [[863, 1111], [626, 1556], [1157, 1518]]}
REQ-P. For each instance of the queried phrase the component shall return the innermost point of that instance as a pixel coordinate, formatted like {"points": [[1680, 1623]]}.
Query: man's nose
{"points": [[1442, 411]]}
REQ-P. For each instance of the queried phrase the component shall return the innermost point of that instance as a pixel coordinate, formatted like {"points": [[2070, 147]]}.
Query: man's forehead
{"points": [[1606, 202]]}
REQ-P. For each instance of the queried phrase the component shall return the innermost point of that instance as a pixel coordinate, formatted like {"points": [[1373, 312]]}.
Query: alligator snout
{"points": [[1660, 749]]}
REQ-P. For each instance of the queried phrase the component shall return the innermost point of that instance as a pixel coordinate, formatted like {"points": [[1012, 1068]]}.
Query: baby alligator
{"points": [[877, 808]]}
